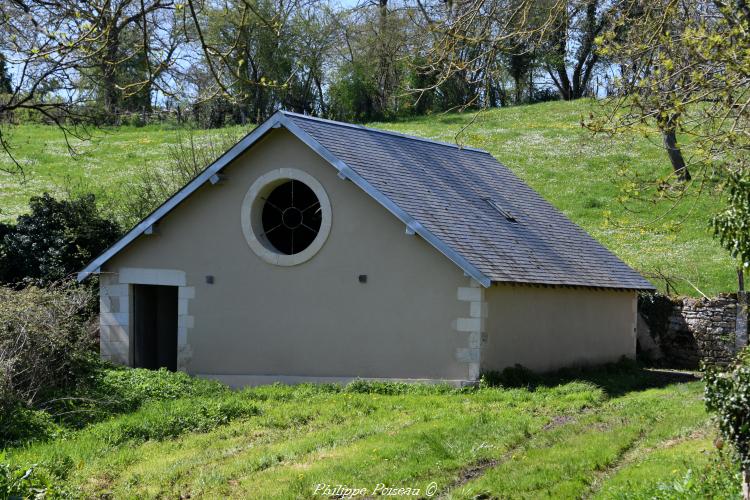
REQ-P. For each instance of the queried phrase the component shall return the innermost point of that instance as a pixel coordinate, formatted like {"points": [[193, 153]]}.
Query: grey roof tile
{"points": [[444, 187]]}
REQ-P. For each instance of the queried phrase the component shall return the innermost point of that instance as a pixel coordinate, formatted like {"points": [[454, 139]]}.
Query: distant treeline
{"points": [[237, 61]]}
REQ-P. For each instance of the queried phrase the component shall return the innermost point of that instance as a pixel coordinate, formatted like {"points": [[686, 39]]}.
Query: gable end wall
{"points": [[260, 322]]}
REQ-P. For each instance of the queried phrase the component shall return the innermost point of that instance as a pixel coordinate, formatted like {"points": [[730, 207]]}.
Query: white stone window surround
{"points": [[252, 207], [116, 313]]}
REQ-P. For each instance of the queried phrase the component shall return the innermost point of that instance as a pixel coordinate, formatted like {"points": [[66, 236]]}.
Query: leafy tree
{"points": [[370, 65], [496, 38], [56, 239], [728, 397], [352, 93], [520, 64], [261, 55], [732, 226], [124, 86], [135, 42], [650, 42], [685, 70]]}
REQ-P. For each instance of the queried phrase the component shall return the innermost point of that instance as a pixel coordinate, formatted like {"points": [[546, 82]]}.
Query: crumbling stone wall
{"points": [[682, 332]]}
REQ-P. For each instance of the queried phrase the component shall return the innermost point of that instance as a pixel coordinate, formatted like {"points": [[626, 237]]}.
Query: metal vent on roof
{"points": [[508, 216]]}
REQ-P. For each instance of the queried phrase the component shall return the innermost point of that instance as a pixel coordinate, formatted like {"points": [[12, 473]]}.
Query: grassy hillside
{"points": [[543, 143], [547, 147], [620, 433]]}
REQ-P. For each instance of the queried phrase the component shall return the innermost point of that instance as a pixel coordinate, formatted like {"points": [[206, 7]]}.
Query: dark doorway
{"points": [[155, 326]]}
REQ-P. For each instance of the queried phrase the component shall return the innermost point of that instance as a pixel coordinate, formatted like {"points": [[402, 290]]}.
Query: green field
{"points": [[543, 143], [616, 433]]}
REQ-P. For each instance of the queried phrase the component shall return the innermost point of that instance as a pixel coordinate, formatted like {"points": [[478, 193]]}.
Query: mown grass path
{"points": [[595, 437], [567, 461]]}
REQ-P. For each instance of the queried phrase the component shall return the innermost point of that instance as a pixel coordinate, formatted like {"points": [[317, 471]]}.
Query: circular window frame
{"points": [[252, 210]]}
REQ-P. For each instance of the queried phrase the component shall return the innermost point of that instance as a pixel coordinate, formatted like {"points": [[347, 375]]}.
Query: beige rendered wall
{"points": [[548, 328], [309, 320]]}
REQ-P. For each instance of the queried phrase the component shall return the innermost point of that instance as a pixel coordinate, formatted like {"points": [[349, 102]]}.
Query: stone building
{"points": [[315, 250]]}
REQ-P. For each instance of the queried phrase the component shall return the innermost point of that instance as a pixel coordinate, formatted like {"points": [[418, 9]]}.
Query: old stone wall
{"points": [[682, 332]]}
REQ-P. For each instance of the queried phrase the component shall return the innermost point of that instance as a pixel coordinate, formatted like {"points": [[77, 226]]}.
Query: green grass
{"points": [[543, 143], [566, 461], [548, 148], [104, 161], [586, 434]]}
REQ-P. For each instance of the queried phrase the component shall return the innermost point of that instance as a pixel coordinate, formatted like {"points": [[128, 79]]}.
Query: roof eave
{"points": [[645, 288]]}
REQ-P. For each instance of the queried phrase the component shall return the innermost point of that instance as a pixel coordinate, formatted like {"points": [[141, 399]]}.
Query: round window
{"points": [[291, 217], [286, 216]]}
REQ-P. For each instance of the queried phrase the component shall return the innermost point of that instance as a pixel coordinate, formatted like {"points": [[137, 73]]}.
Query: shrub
{"points": [[99, 391], [717, 479], [45, 346], [19, 424], [728, 397], [614, 378], [140, 385], [55, 240], [18, 483]]}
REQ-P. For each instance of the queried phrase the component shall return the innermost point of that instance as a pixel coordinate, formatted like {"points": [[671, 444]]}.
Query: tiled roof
{"points": [[461, 200], [446, 189]]}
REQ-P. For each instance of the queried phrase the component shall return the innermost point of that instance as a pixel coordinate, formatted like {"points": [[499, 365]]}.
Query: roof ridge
{"points": [[382, 131]]}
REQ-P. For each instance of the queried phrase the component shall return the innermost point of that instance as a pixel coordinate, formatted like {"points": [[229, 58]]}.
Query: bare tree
{"points": [[53, 47], [661, 77], [560, 34], [569, 49]]}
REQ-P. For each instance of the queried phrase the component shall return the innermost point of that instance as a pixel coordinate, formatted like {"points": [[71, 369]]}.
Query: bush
{"points": [[140, 385], [728, 397], [717, 479], [99, 391], [45, 346], [18, 483], [107, 391], [614, 378], [56, 239], [19, 425]]}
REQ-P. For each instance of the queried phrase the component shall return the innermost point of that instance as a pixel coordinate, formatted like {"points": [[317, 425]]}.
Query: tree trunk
{"points": [[503, 95], [559, 71], [675, 155], [384, 67], [518, 90], [586, 58], [531, 83], [5, 83], [746, 483], [562, 82], [321, 96]]}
